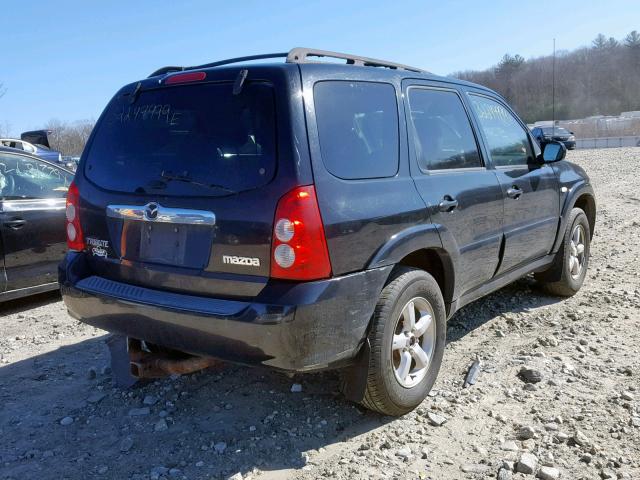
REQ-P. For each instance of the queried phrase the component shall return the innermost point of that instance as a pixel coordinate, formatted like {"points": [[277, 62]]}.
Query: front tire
{"points": [[407, 338], [569, 267]]}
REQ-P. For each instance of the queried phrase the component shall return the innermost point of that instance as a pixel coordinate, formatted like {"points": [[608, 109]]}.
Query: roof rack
{"points": [[301, 55], [297, 55]]}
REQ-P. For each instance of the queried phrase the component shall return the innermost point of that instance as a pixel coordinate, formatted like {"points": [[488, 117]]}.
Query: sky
{"points": [[65, 59]]}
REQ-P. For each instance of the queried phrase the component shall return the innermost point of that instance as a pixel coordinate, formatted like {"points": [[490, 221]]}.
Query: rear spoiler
{"points": [[38, 137]]}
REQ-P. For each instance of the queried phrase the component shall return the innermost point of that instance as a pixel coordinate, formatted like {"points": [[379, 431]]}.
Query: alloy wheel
{"points": [[414, 342], [577, 255]]}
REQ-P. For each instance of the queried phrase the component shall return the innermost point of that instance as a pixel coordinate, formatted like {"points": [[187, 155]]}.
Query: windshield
{"points": [[190, 140], [557, 131]]}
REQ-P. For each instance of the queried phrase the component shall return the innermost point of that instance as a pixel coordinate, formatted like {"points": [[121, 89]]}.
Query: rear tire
{"points": [[398, 375], [567, 274]]}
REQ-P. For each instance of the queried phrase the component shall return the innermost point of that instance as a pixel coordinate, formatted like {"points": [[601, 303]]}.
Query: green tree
{"points": [[508, 65], [632, 47], [506, 72], [612, 43], [632, 40], [600, 42]]}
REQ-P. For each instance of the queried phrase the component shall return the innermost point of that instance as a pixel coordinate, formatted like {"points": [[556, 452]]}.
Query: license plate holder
{"points": [[163, 243]]}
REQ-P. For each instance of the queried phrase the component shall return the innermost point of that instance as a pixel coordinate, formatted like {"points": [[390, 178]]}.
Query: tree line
{"points": [[69, 138], [600, 79]]}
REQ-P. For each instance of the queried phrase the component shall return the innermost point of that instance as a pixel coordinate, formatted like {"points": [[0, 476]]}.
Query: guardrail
{"points": [[608, 142]]}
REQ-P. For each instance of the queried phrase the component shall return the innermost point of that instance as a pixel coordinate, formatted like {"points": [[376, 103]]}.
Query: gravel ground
{"points": [[61, 418]]}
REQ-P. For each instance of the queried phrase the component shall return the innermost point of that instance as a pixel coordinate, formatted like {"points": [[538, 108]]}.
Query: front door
{"points": [[530, 187], [463, 197], [32, 221]]}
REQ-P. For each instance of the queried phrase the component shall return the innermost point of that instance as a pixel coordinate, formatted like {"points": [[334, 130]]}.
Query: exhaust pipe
{"points": [[145, 364]]}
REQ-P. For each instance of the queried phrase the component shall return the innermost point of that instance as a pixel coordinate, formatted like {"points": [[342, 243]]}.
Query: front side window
{"points": [[507, 140], [27, 178], [443, 137], [357, 128]]}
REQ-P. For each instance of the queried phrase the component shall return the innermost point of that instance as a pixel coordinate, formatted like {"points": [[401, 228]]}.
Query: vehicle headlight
{"points": [[572, 138]]}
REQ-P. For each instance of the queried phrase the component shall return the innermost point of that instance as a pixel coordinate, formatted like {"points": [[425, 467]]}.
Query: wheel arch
{"points": [[438, 264], [587, 203], [420, 247], [580, 196]]}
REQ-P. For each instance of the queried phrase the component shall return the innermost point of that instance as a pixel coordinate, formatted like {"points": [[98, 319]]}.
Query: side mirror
{"points": [[554, 152]]}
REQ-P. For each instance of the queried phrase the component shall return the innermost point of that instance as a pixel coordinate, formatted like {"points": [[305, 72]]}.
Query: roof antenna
{"points": [[237, 85]]}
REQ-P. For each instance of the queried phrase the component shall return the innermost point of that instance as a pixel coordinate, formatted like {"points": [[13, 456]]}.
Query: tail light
{"points": [[299, 248], [75, 239]]}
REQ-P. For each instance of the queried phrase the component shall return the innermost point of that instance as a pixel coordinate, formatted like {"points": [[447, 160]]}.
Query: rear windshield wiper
{"points": [[168, 176]]}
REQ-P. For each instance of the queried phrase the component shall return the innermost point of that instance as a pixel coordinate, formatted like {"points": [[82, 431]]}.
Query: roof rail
{"points": [[165, 70], [298, 55]]}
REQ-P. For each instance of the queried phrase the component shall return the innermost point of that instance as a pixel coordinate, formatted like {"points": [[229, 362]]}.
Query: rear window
{"points": [[190, 140], [358, 128]]}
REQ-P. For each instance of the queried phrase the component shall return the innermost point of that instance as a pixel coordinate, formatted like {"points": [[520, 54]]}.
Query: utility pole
{"points": [[553, 91]]}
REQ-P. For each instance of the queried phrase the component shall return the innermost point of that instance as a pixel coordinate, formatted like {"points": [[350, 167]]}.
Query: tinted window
{"points": [[186, 140], [358, 128], [507, 140], [24, 177], [442, 133]]}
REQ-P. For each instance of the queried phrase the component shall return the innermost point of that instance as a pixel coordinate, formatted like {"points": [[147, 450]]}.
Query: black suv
{"points": [[306, 215]]}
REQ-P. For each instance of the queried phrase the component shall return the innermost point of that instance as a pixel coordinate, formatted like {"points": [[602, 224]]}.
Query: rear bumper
{"points": [[289, 326]]}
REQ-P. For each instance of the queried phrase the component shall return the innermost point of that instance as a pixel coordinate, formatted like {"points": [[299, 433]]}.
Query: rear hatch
{"points": [[37, 137], [180, 182]]}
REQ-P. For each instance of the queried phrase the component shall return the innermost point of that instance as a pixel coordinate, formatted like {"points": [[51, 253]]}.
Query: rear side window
{"points": [[358, 128], [442, 133], [189, 140], [507, 140]]}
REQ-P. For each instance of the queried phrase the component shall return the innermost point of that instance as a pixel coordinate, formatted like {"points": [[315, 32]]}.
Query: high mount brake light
{"points": [[299, 247], [185, 77], [75, 239]]}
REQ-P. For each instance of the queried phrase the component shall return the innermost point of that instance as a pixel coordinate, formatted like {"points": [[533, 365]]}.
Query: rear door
{"points": [[32, 219], [180, 181], [530, 187], [463, 197]]}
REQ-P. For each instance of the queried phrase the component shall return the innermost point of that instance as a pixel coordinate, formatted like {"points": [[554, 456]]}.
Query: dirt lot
{"points": [[60, 417]]}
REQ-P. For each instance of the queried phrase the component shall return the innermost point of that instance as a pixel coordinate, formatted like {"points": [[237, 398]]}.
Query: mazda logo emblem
{"points": [[151, 211]]}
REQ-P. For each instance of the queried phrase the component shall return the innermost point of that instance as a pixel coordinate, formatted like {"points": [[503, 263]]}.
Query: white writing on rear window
{"points": [[151, 112]]}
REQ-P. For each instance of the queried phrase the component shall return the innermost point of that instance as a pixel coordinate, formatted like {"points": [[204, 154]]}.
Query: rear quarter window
{"points": [[357, 128]]}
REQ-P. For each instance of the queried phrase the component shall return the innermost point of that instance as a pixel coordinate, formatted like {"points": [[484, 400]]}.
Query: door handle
{"points": [[448, 204], [15, 224], [514, 192]]}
